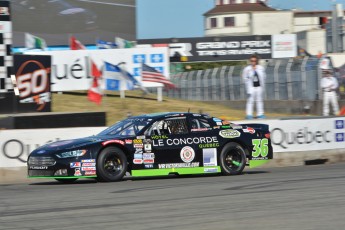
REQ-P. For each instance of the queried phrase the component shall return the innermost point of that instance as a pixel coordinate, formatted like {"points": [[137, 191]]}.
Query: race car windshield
{"points": [[128, 127]]}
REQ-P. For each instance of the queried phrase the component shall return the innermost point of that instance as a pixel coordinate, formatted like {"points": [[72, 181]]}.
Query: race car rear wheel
{"points": [[111, 164], [232, 159], [66, 181]]}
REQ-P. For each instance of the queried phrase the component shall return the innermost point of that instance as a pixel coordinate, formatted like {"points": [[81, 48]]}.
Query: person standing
{"points": [[254, 77], [329, 85]]}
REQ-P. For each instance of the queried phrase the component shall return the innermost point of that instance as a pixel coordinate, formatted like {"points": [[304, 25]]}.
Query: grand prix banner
{"points": [[33, 81], [71, 69], [228, 47]]}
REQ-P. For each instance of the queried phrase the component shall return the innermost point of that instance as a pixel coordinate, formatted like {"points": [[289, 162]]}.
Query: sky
{"points": [[184, 18]]}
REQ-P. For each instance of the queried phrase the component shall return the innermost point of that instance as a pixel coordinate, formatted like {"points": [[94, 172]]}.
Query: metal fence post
{"points": [[190, 87], [198, 85], [304, 77], [214, 84], [222, 83], [206, 85], [231, 83], [289, 78], [276, 80]]}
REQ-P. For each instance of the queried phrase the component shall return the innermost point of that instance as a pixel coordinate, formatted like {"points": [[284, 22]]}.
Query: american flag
{"points": [[152, 75]]}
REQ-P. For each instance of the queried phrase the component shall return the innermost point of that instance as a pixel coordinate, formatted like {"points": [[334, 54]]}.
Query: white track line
{"points": [[107, 3]]}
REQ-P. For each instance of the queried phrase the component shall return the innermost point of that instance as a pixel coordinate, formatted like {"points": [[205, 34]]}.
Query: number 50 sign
{"points": [[33, 80]]}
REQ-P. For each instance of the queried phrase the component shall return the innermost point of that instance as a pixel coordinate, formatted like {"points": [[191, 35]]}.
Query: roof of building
{"points": [[235, 8]]}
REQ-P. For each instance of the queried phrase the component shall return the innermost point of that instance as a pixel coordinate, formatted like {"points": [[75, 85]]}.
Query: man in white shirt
{"points": [[329, 85], [254, 77]]}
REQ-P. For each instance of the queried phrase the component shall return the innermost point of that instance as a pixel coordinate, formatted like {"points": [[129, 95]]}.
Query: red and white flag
{"points": [[75, 44], [95, 93], [152, 75]]}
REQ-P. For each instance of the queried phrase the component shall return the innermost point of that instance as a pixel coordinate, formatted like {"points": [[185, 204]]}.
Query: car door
{"points": [[207, 146], [171, 143]]}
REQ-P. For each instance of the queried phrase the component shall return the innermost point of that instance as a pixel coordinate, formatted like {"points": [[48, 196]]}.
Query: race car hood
{"points": [[68, 144]]}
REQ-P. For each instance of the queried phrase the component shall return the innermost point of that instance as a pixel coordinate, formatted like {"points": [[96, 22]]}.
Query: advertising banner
{"points": [[71, 69], [295, 135], [284, 45], [33, 81], [16, 145], [215, 48]]}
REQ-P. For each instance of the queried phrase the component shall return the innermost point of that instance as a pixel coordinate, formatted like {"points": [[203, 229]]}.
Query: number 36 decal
{"points": [[260, 148]]}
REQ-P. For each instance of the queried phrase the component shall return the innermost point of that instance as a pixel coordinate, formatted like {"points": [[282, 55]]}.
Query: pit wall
{"points": [[295, 142]]}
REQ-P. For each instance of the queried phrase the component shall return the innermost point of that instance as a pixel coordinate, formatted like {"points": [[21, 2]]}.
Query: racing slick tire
{"points": [[232, 159], [66, 181], [111, 164]]}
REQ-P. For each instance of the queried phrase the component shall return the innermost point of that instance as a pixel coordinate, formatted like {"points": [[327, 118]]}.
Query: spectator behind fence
{"points": [[329, 85], [254, 77]]}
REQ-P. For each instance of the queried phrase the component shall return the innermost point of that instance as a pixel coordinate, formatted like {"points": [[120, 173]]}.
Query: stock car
{"points": [[155, 145]]}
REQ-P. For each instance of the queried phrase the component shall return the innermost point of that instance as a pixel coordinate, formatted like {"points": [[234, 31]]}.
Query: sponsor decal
{"points": [[219, 123], [77, 172], [196, 115], [38, 167], [185, 141], [249, 130], [216, 127], [187, 154], [138, 146], [138, 156], [138, 151], [128, 141], [229, 133], [148, 147], [340, 124], [209, 157], [137, 161], [340, 137], [236, 126], [157, 137], [226, 127], [208, 145], [179, 165], [89, 165], [90, 173], [210, 170], [216, 119], [137, 141], [149, 161], [113, 141], [88, 160], [200, 130], [149, 166], [226, 122], [88, 168], [75, 165], [148, 156], [140, 137]]}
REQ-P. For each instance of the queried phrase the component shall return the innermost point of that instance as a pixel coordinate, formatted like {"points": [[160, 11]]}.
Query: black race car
{"points": [[155, 145]]}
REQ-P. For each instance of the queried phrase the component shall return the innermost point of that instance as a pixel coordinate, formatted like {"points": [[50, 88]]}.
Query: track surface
{"points": [[309, 197]]}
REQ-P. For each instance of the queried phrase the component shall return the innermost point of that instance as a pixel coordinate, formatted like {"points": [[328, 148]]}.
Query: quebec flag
{"points": [[115, 78]]}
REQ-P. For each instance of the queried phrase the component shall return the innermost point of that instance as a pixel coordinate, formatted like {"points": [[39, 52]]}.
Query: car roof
{"points": [[165, 114]]}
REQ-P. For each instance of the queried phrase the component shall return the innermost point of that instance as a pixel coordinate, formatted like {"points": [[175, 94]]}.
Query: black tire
{"points": [[66, 181], [111, 164], [232, 159]]}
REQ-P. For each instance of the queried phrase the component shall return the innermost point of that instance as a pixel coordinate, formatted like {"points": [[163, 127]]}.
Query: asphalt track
{"points": [[309, 197]]}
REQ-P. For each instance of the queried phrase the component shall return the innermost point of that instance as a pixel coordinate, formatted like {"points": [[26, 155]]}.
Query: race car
{"points": [[155, 145]]}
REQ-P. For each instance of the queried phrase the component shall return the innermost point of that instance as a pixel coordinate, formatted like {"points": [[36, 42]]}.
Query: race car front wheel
{"points": [[232, 159], [111, 164]]}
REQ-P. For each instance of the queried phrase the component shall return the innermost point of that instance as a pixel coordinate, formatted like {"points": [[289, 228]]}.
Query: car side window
{"points": [[168, 126], [198, 123]]}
